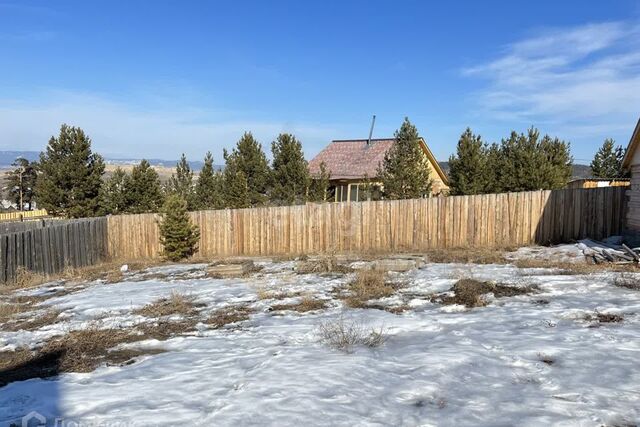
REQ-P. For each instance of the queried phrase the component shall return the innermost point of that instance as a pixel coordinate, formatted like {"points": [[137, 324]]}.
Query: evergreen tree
{"points": [[70, 175], [20, 183], [143, 189], [181, 183], [290, 171], [113, 199], [468, 169], [319, 188], [179, 238], [249, 158], [235, 184], [494, 166], [527, 163], [208, 186], [405, 171], [607, 163]]}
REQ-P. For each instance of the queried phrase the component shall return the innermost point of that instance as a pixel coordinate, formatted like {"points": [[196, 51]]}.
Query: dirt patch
{"points": [[627, 281], [574, 268], [305, 304], [470, 292], [546, 359], [264, 294], [229, 315], [175, 304], [326, 264], [394, 309]]}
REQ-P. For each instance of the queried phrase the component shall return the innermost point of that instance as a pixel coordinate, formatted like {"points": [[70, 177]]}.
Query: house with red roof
{"points": [[353, 165]]}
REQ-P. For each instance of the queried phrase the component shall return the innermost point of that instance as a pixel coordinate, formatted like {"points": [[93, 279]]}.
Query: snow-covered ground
{"points": [[441, 365]]}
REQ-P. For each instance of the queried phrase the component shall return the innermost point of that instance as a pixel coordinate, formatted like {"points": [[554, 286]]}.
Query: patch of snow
{"points": [[442, 365]]}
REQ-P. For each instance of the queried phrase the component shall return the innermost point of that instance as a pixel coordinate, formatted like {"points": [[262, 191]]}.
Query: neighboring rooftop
{"points": [[355, 159]]}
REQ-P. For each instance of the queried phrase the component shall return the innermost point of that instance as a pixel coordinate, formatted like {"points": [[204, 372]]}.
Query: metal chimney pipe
{"points": [[373, 122]]}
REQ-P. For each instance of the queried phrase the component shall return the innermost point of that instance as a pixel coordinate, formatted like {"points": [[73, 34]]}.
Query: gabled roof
{"points": [[633, 145], [355, 159]]}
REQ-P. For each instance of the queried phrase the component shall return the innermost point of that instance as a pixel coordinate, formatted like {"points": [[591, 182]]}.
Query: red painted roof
{"points": [[351, 159]]}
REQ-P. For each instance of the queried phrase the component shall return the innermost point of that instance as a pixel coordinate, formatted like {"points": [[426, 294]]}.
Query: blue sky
{"points": [[157, 78]]}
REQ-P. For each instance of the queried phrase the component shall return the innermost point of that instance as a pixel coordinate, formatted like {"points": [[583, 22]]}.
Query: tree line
{"points": [[522, 162], [67, 180]]}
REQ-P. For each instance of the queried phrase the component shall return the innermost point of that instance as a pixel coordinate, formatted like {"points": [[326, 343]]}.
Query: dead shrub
{"points": [[36, 321], [368, 285], [628, 281], [264, 294], [176, 303], [470, 292], [345, 335], [304, 305], [228, 315], [324, 264]]}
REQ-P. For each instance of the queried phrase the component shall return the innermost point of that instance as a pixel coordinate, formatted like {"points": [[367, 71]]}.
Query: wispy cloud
{"points": [[582, 79], [119, 129]]}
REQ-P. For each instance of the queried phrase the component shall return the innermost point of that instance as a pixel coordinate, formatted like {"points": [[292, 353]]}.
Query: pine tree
{"points": [[208, 186], [249, 158], [235, 184], [143, 189], [70, 175], [113, 198], [181, 183], [290, 171], [319, 188], [179, 238], [405, 171], [607, 163], [468, 169], [527, 163], [20, 183]]}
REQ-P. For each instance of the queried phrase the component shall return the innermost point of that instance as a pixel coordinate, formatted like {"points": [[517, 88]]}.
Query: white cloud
{"points": [[577, 80], [119, 129]]}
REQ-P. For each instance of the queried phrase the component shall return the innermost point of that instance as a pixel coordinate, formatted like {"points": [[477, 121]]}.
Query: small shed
{"points": [[631, 162]]}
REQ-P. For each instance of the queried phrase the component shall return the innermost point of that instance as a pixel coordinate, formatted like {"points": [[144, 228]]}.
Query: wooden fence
{"points": [[19, 216], [53, 246], [493, 220]]}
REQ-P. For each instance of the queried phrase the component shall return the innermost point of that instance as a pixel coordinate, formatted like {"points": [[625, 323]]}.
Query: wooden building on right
{"points": [[631, 162]]}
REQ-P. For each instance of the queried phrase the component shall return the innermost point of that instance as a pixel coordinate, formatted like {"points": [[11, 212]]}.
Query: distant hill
{"points": [[579, 171], [8, 157]]}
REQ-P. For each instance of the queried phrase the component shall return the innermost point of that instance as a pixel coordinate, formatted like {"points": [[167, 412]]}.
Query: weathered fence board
{"points": [[493, 220], [50, 247]]}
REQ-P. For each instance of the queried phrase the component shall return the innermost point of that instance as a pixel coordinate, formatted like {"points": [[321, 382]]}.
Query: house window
{"points": [[342, 193], [354, 192]]}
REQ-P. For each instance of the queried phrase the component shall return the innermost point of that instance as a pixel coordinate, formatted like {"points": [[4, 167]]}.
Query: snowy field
{"points": [[529, 360]]}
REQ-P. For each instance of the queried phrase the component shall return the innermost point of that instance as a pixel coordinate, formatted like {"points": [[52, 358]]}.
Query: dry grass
{"points": [[229, 315], [34, 322], [599, 317], [467, 256], [470, 292], [305, 304], [323, 264], [345, 335], [175, 304], [575, 268], [368, 285], [628, 281], [162, 330], [265, 294]]}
